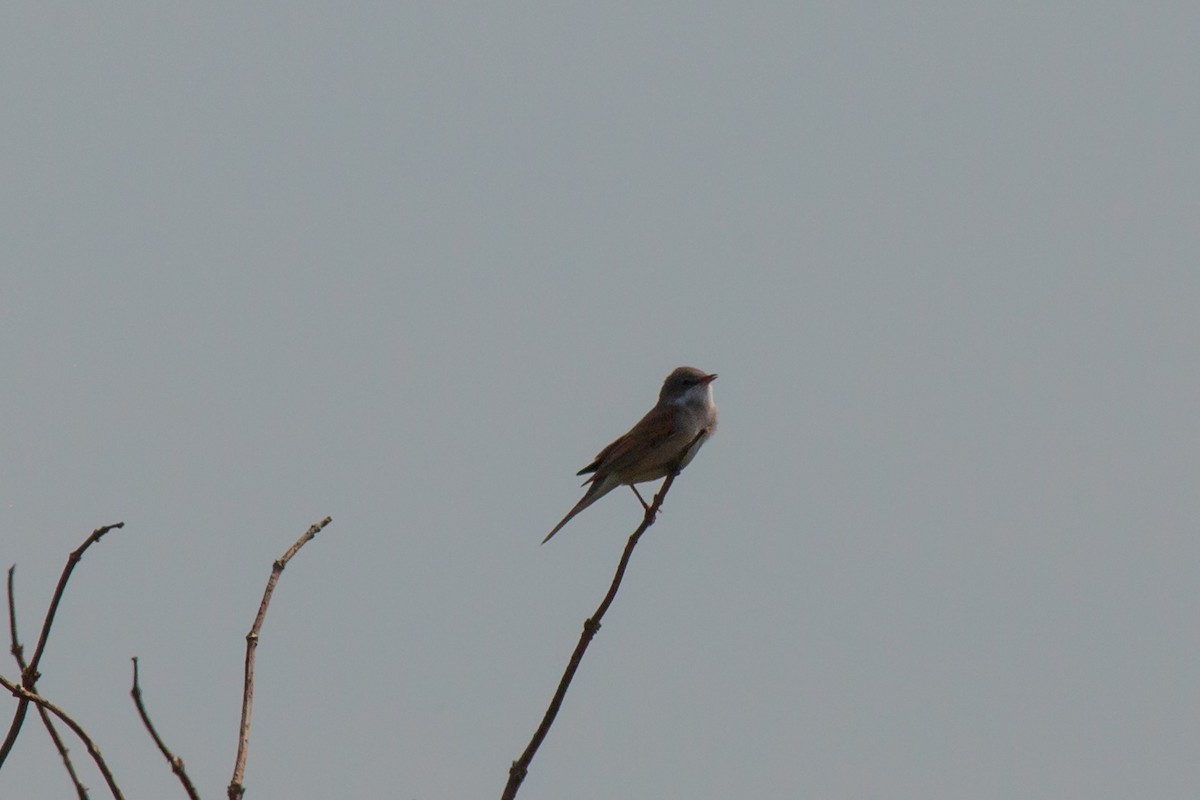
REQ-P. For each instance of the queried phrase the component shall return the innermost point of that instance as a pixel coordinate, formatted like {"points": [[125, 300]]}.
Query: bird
{"points": [[668, 437]]}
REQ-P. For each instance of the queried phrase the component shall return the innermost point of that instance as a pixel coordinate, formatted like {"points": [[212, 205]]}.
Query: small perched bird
{"points": [[650, 449]]}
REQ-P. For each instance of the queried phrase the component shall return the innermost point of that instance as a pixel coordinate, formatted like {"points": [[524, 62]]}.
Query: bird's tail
{"points": [[597, 490]]}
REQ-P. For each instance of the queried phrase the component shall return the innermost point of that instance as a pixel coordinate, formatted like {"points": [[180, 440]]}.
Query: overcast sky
{"points": [[412, 266]]}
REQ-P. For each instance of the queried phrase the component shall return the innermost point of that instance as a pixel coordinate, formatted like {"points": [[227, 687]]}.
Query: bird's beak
{"points": [[707, 379]]}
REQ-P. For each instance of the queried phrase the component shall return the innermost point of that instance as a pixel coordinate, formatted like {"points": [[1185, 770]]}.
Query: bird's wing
{"points": [[651, 432]]}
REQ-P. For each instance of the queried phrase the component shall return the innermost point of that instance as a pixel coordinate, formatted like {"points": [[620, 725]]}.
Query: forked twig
{"points": [[18, 652], [29, 674], [28, 696], [175, 761], [236, 787], [520, 767]]}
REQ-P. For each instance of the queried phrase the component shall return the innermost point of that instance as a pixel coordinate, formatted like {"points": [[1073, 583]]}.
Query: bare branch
{"points": [[175, 761], [80, 790], [236, 787], [18, 652], [29, 674], [28, 696], [72, 560], [520, 767]]}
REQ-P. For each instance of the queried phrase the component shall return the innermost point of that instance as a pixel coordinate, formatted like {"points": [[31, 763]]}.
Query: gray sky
{"points": [[412, 266]]}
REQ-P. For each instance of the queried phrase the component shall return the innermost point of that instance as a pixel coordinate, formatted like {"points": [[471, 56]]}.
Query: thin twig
{"points": [[236, 787], [520, 767], [175, 761], [28, 696], [72, 560], [29, 674], [18, 652], [80, 790]]}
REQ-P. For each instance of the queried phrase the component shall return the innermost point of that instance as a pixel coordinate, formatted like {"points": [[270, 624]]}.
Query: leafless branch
{"points": [[175, 761], [520, 767], [236, 787], [18, 652], [28, 696], [29, 673]]}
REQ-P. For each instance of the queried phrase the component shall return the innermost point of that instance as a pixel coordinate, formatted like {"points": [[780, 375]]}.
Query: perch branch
{"points": [[520, 767]]}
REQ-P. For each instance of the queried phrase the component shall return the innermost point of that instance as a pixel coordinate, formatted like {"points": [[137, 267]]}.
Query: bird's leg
{"points": [[645, 505]]}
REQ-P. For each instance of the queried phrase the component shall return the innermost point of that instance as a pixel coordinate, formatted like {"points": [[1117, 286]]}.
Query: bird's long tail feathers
{"points": [[597, 490]]}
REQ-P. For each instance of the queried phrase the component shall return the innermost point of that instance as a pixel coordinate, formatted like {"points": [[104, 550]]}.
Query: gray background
{"points": [[412, 266]]}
